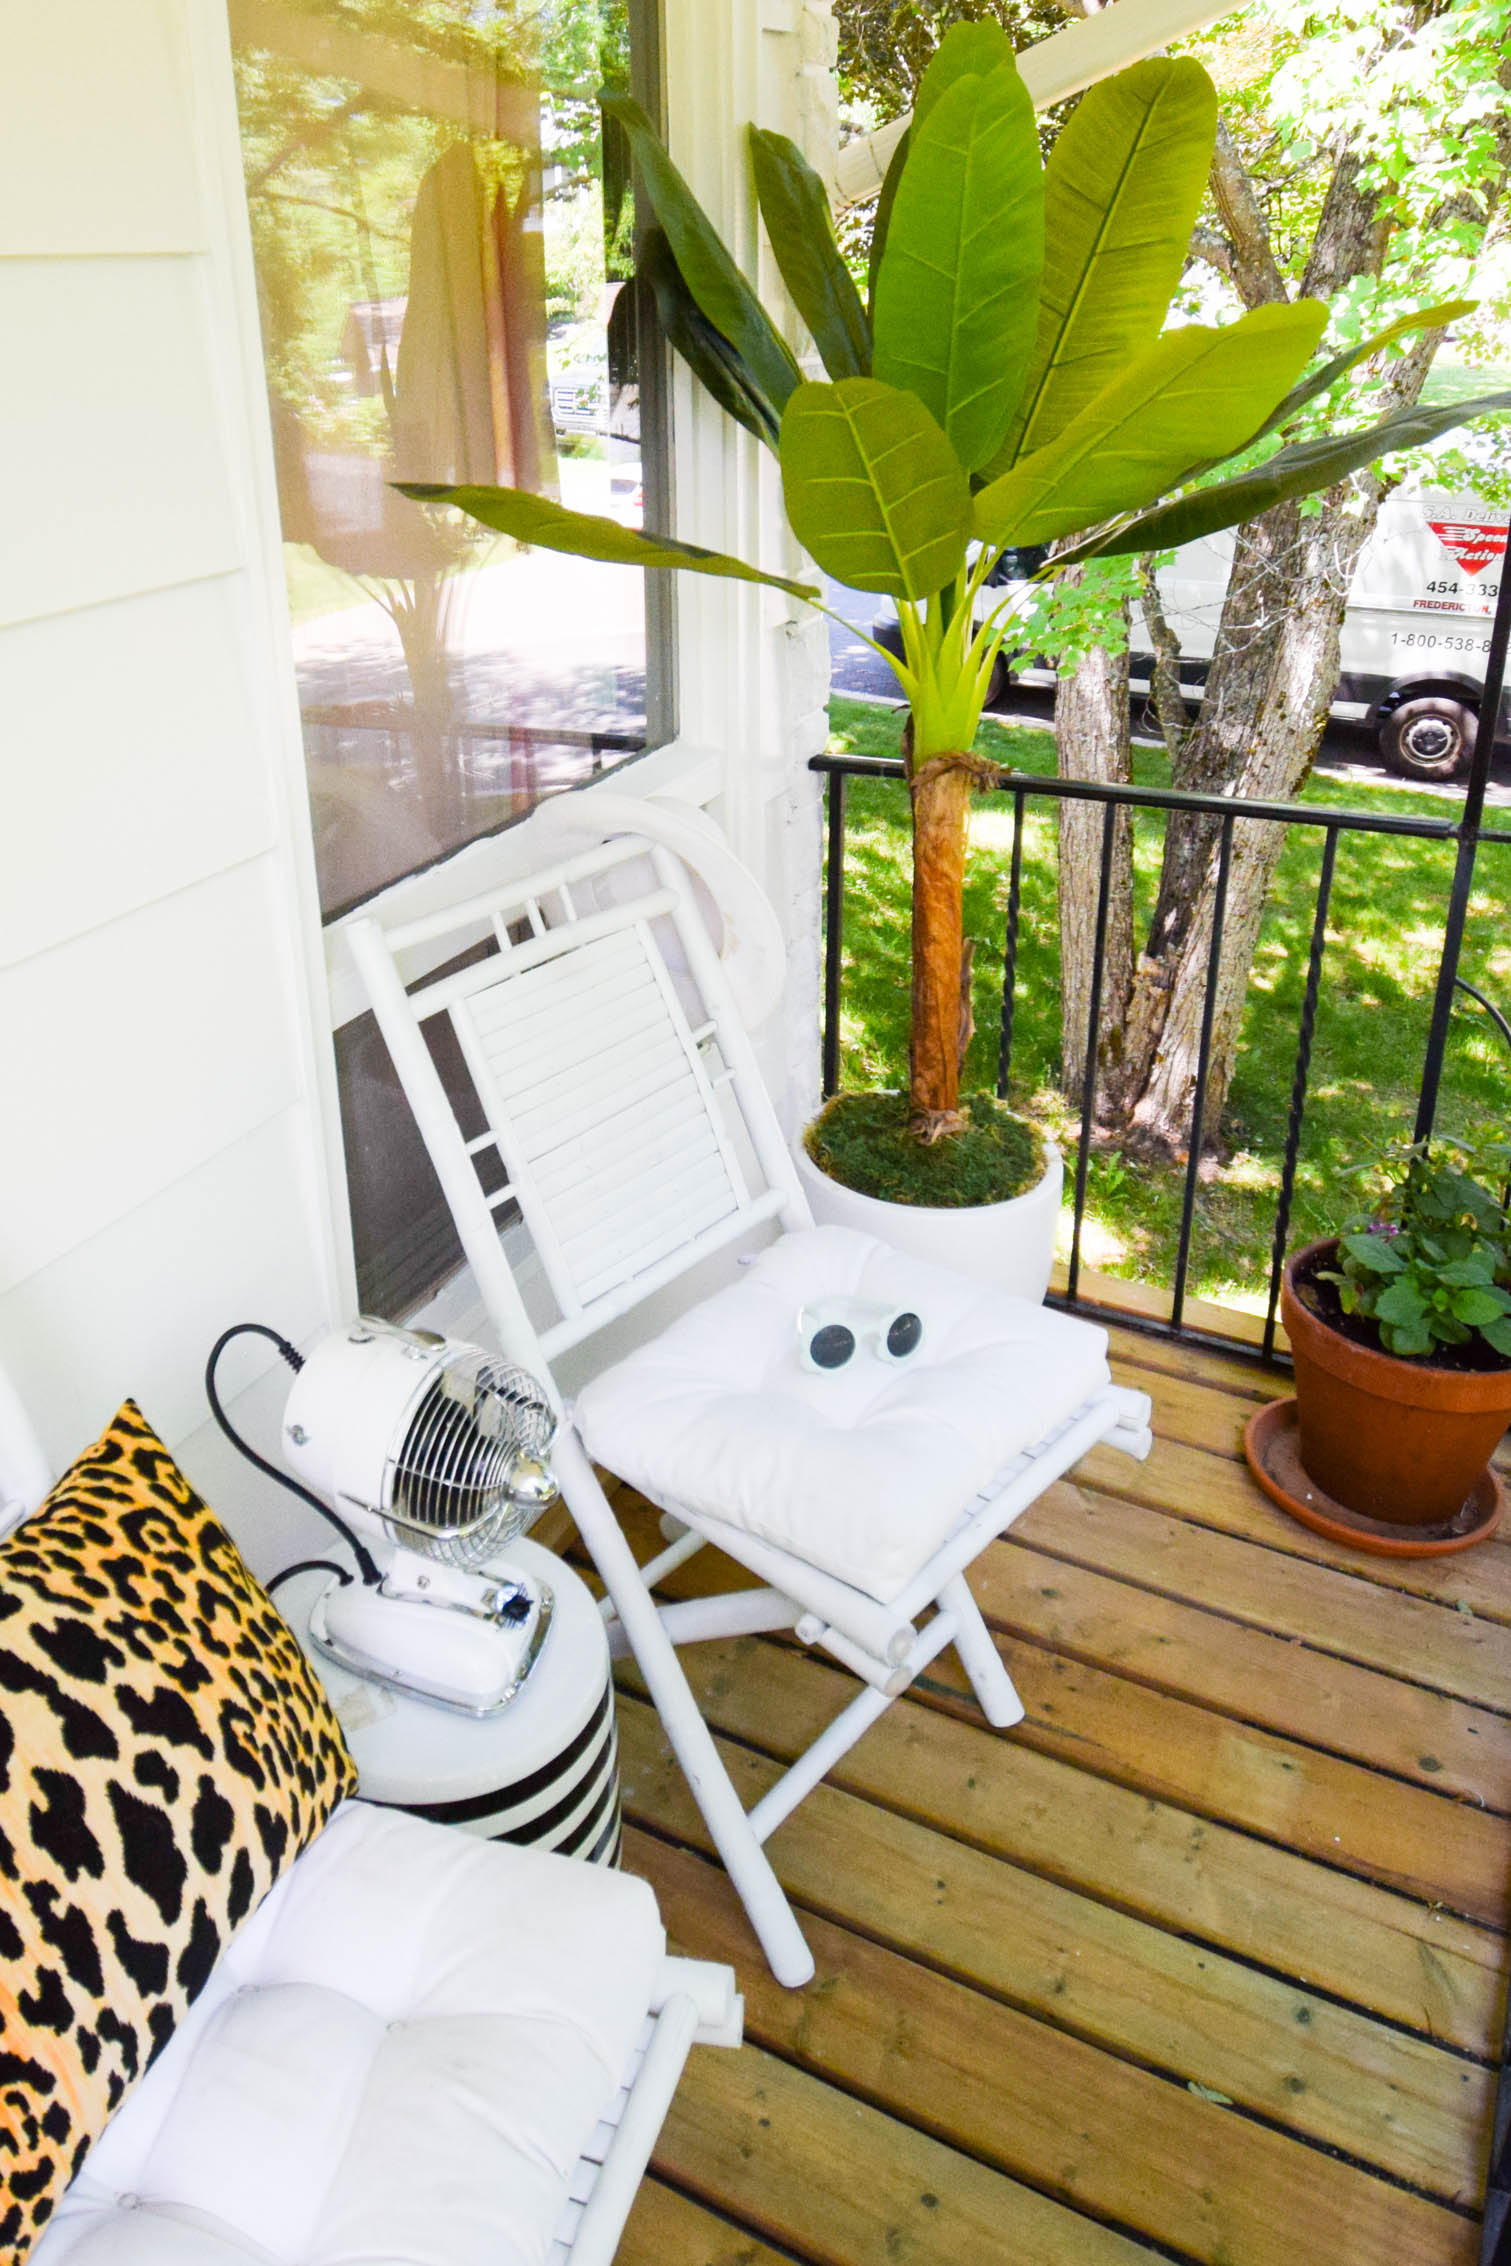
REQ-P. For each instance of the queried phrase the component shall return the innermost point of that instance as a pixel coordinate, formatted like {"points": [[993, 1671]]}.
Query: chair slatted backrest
{"points": [[616, 1115]]}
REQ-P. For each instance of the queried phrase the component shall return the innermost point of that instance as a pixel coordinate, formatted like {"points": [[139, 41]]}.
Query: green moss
{"points": [[863, 1142]]}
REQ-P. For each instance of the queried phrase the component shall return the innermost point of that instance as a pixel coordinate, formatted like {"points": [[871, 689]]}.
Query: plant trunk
{"points": [[941, 792], [1091, 732]]}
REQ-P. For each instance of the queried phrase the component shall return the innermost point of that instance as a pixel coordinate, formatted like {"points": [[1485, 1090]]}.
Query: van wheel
{"points": [[1430, 737], [1000, 683]]}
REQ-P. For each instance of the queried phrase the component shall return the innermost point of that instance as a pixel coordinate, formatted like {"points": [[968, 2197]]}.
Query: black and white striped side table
{"points": [[543, 1772]]}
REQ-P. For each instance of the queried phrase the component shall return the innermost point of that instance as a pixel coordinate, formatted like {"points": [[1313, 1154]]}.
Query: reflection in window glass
{"points": [[443, 245]]}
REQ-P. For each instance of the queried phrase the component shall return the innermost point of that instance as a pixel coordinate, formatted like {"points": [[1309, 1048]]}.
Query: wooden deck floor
{"points": [[1205, 1961]]}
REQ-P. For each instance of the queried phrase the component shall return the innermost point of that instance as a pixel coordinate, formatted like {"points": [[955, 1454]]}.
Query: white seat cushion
{"points": [[399, 2058], [861, 1471]]}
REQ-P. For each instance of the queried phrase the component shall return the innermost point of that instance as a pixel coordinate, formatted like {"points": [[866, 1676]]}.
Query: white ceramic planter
{"points": [[1009, 1245]]}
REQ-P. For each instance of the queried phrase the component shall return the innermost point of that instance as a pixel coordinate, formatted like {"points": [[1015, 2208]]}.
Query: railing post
{"points": [[1203, 1067], [1093, 1043], [1463, 868], [834, 927], [1010, 950], [1299, 1084]]}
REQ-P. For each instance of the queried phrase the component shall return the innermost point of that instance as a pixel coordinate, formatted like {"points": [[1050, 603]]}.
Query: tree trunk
{"points": [[1267, 702], [1268, 697], [941, 792], [1091, 733], [1164, 676]]}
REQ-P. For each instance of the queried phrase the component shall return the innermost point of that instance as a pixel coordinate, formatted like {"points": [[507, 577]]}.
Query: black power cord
{"points": [[295, 1359], [308, 1566]]}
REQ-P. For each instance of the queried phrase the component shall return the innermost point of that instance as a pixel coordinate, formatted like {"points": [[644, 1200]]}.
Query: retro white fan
{"points": [[439, 1451]]}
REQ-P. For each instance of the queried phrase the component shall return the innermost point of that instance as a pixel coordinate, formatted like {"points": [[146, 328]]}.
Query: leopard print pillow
{"points": [[165, 1753]]}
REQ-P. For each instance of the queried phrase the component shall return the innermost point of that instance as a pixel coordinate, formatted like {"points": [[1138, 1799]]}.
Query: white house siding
{"points": [[168, 1159], [163, 1154]]}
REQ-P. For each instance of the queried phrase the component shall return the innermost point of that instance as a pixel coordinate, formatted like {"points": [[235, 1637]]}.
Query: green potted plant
{"points": [[1401, 1333], [1006, 380]]}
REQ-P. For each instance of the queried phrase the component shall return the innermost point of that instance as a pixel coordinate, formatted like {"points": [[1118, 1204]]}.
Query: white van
{"points": [[1415, 635]]}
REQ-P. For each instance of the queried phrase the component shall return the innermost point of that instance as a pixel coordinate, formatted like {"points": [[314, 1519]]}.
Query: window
{"points": [[443, 238]]}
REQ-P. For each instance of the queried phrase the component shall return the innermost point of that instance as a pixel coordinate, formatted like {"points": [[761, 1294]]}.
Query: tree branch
{"points": [[1260, 282], [1211, 245]]}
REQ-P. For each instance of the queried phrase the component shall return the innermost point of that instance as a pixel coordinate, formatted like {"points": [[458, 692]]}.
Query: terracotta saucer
{"points": [[1271, 1441]]}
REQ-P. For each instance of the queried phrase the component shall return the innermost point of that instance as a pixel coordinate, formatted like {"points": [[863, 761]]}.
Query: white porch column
{"points": [[754, 668]]}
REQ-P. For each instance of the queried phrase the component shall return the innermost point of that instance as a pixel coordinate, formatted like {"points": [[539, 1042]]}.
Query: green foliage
{"points": [[1431, 1265], [1298, 471], [873, 488], [966, 325], [1196, 393], [863, 1142], [957, 288], [796, 212], [1122, 189], [881, 226], [707, 269], [535, 519], [706, 351]]}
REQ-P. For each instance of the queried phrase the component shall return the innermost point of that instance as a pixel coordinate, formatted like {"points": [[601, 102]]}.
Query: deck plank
{"points": [[669, 2229], [845, 2184], [1442, 1852], [1209, 1488], [1409, 1637], [1275, 1682], [1384, 2097], [1115, 2140], [1385, 1953], [1445, 1852]]}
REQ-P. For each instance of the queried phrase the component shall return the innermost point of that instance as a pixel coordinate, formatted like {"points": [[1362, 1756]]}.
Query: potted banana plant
{"points": [[1006, 379]]}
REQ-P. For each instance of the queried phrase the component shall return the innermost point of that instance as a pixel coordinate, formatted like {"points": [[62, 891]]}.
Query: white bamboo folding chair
{"points": [[618, 1105]]}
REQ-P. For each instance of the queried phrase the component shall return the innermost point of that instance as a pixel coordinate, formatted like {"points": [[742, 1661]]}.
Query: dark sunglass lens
{"points": [[905, 1336], [832, 1346]]}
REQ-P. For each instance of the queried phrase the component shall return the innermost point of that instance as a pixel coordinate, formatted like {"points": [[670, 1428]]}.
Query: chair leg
{"points": [[979, 1657], [745, 1861]]}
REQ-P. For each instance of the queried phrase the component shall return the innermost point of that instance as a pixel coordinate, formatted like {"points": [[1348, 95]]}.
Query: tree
{"points": [[1366, 165]]}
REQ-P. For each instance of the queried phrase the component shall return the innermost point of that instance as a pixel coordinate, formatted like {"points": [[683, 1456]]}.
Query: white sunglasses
{"points": [[831, 1328]]}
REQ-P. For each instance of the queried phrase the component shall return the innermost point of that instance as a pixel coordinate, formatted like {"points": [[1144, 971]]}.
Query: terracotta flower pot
{"points": [[1396, 1440]]}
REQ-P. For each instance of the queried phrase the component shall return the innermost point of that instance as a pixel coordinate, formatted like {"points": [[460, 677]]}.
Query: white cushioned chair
{"points": [[421, 2047], [616, 1106]]}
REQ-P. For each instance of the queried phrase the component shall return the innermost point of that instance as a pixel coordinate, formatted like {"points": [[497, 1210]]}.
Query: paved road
{"points": [[1348, 752]]}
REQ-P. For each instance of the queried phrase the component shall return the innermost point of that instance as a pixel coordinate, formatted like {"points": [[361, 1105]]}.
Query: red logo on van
{"points": [[1472, 544]]}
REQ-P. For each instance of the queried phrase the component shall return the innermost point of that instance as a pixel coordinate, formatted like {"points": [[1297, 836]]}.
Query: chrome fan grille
{"points": [[448, 1490]]}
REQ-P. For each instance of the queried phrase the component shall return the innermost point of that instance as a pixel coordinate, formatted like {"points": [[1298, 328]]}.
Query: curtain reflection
{"points": [[441, 245]]}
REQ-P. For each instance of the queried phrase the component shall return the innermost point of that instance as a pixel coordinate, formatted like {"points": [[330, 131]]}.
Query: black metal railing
{"points": [[1466, 831]]}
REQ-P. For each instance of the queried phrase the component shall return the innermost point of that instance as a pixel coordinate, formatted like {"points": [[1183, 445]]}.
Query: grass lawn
{"points": [[1384, 938]]}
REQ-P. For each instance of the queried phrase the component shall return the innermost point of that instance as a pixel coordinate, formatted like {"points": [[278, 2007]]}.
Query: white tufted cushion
{"points": [[400, 2058], [863, 1470]]}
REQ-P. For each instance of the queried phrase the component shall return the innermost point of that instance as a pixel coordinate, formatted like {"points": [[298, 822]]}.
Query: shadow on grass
{"points": [[1384, 938]]}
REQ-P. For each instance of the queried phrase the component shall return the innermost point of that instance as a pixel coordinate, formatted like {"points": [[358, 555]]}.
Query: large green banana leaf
{"points": [[1196, 396], [535, 519], [798, 221], [882, 218], [707, 269], [957, 290], [1291, 472], [977, 47], [1122, 189], [874, 491], [1421, 318], [706, 351]]}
